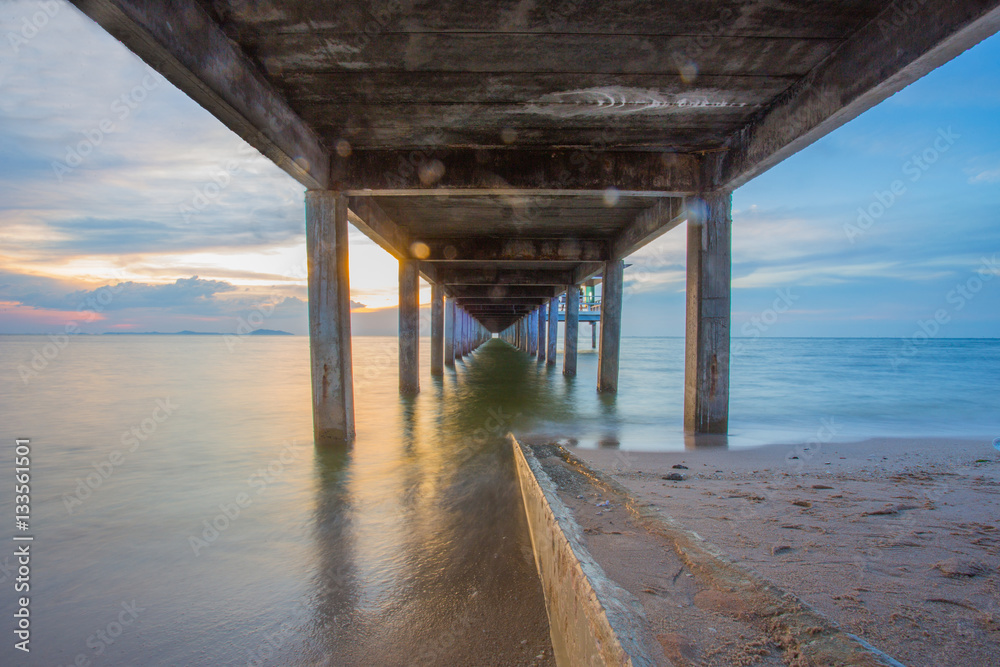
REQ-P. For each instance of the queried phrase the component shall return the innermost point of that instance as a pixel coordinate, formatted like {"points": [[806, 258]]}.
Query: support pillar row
{"points": [[449, 333], [409, 327], [611, 326], [542, 319], [709, 276], [550, 355], [437, 330], [572, 332], [329, 317]]}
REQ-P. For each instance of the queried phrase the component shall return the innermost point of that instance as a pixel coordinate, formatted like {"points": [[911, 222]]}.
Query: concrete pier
{"points": [[611, 327], [550, 355], [709, 275], [572, 330], [329, 316], [779, 81], [542, 320], [449, 333], [437, 330], [409, 327]]}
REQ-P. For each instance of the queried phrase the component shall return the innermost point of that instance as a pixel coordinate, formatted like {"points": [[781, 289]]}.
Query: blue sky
{"points": [[195, 230]]}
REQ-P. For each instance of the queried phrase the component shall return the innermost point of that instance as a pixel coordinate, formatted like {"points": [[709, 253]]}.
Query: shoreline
{"points": [[893, 539]]}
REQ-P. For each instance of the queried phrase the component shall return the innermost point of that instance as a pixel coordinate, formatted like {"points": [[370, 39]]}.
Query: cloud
{"points": [[987, 176]]}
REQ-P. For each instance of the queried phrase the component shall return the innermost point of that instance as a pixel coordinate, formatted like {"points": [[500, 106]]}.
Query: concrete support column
{"points": [[593, 335], [550, 354], [459, 325], [572, 332], [449, 333], [709, 276], [532, 334], [542, 319], [329, 317], [611, 327], [437, 330], [409, 327]]}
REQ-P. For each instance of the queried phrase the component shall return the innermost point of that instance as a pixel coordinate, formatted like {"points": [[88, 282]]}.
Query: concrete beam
{"points": [[499, 171], [505, 291], [329, 317], [611, 327], [409, 328], [513, 249], [709, 276], [493, 275], [905, 42], [218, 76], [648, 226], [572, 329], [584, 271], [437, 330], [374, 223]]}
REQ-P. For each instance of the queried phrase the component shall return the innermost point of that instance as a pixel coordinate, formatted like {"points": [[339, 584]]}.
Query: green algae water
{"points": [[182, 515]]}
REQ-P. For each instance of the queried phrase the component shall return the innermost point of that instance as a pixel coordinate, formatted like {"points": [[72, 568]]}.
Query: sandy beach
{"points": [[895, 541]]}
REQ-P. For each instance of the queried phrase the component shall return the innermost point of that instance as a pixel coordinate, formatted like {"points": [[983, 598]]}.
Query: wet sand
{"points": [[894, 540]]}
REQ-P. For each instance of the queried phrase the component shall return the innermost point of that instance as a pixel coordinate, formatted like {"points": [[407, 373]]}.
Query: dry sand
{"points": [[896, 541]]}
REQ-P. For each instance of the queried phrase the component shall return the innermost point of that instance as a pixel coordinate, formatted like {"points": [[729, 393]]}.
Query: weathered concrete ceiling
{"points": [[536, 131]]}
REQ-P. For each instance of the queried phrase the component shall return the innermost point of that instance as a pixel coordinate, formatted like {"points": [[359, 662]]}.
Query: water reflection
{"points": [[423, 551]]}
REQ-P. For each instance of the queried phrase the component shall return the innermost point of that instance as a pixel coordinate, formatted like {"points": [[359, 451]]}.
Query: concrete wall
{"points": [[592, 620]]}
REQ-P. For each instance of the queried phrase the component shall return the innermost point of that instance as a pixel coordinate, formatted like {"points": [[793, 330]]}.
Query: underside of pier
{"points": [[508, 151]]}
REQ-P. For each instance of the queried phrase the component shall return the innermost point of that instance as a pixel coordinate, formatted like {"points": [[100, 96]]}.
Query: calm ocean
{"points": [[182, 516]]}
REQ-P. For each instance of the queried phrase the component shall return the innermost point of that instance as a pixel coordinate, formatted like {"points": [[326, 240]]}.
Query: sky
{"points": [[124, 206]]}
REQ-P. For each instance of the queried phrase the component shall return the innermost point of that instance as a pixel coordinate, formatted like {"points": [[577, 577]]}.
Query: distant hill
{"points": [[257, 332]]}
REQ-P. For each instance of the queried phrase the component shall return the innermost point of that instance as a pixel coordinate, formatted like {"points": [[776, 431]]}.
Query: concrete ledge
{"points": [[592, 620]]}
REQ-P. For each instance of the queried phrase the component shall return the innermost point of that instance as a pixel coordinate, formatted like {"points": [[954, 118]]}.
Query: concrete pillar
{"points": [[449, 333], [709, 276], [409, 327], [572, 331], [542, 320], [593, 335], [532, 334], [550, 354], [437, 330], [459, 322], [611, 327], [329, 317]]}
